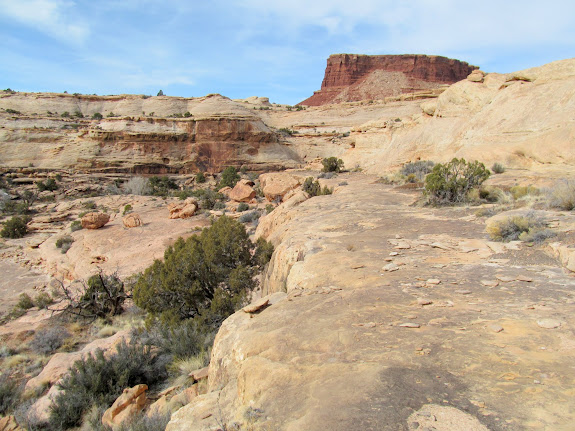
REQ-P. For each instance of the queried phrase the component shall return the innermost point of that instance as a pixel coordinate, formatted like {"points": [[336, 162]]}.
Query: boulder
{"points": [[171, 400], [129, 404], [9, 423], [243, 191], [183, 209], [95, 220], [132, 220], [276, 184], [225, 190], [476, 76]]}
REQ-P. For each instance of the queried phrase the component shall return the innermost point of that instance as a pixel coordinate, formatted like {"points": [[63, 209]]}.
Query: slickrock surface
{"points": [[439, 340]]}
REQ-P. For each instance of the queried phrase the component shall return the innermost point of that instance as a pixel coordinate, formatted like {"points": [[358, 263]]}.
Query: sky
{"points": [[271, 48]]}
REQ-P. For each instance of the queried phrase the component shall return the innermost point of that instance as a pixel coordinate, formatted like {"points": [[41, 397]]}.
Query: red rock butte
{"points": [[353, 77]]}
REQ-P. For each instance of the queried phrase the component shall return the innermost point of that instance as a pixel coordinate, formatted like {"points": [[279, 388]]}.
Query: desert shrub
{"points": [[65, 114], [9, 394], [243, 207], [487, 194], [161, 186], [90, 205], [14, 228], [64, 243], [75, 225], [209, 199], [519, 192], [42, 300], [181, 341], [269, 208], [286, 131], [264, 251], [97, 116], [537, 236], [209, 273], [127, 209], [25, 301], [142, 422], [327, 175], [451, 182], [497, 168], [229, 177], [313, 188], [99, 380], [418, 169], [137, 186], [103, 296], [49, 185], [47, 341], [200, 178], [332, 164], [250, 216], [511, 228], [562, 195]]}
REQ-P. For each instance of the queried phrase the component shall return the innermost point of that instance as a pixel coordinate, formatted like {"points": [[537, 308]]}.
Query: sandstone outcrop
{"points": [[275, 185], [126, 407], [243, 191], [95, 220], [132, 220], [184, 209], [350, 77]]}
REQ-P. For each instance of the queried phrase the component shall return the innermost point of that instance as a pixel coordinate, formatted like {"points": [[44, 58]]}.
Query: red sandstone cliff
{"points": [[352, 77]]}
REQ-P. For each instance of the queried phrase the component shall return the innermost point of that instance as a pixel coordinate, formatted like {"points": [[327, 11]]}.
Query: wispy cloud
{"points": [[52, 17]]}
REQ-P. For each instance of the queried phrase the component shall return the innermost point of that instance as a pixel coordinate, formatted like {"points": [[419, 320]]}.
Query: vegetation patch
{"points": [[451, 182], [528, 228], [562, 195]]}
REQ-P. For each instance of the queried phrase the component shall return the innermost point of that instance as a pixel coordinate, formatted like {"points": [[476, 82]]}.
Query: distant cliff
{"points": [[352, 77]]}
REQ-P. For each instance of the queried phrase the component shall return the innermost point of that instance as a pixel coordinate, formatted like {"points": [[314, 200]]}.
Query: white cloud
{"points": [[52, 17]]}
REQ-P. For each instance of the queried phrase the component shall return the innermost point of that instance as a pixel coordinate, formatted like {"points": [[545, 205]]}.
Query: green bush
{"points": [[209, 199], [75, 225], [269, 208], [519, 192], [184, 340], [209, 273], [48, 185], [64, 243], [229, 178], [99, 380], [65, 114], [127, 209], [200, 178], [42, 300], [332, 164], [14, 228], [161, 186], [264, 251], [243, 207], [313, 188], [97, 116], [25, 302], [498, 168], [451, 182], [9, 394], [248, 217]]}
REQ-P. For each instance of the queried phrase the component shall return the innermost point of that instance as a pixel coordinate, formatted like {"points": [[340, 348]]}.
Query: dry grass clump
{"points": [[528, 228], [519, 192], [562, 195]]}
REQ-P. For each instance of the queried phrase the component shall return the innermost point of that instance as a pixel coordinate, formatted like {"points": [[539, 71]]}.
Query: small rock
{"points": [[256, 306], [549, 323], [390, 267], [524, 278], [423, 301], [402, 246], [434, 281], [496, 328], [132, 220], [440, 246], [490, 283], [505, 278], [410, 325], [394, 253], [463, 292], [200, 374]]}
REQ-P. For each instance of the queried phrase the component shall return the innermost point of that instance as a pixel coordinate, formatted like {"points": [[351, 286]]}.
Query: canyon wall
{"points": [[352, 77]]}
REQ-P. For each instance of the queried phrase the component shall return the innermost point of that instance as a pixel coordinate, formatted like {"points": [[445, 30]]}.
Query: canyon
{"points": [[379, 312]]}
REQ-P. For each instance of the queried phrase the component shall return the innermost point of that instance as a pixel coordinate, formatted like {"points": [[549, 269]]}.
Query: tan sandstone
{"points": [[95, 220]]}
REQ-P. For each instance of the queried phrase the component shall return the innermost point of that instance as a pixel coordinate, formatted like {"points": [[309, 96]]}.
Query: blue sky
{"points": [[270, 48]]}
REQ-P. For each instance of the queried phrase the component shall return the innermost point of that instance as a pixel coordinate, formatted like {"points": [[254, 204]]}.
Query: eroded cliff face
{"points": [[140, 135], [352, 77]]}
